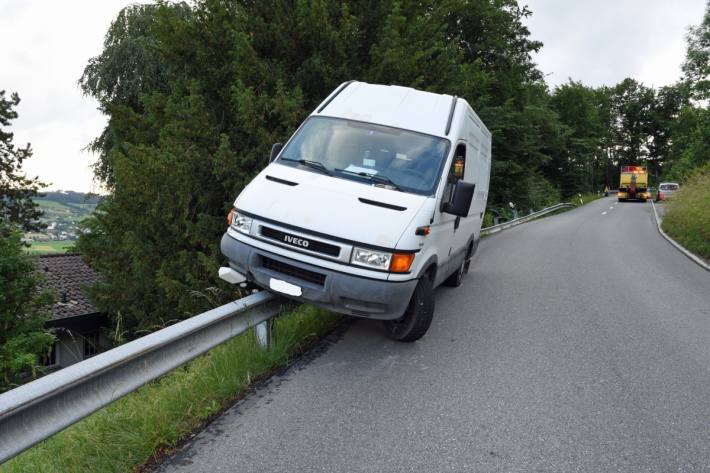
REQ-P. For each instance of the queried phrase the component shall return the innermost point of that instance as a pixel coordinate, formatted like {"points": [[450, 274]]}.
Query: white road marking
{"points": [[604, 213], [611, 207]]}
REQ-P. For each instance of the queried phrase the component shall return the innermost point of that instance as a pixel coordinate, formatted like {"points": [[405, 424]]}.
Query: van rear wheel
{"points": [[417, 317]]}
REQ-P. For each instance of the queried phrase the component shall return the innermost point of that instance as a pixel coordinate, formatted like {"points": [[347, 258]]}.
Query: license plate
{"points": [[284, 287]]}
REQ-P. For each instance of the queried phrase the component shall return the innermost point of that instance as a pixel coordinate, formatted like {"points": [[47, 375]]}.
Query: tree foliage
{"points": [[23, 311], [696, 68], [23, 304], [16, 190], [195, 93]]}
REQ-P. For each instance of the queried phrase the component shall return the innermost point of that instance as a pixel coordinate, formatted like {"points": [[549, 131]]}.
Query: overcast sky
{"points": [[45, 44], [602, 42]]}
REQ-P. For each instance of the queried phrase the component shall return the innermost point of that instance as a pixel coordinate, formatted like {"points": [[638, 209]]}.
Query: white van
{"points": [[375, 200]]}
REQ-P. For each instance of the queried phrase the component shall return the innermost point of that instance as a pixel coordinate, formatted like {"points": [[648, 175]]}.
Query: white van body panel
{"points": [[330, 209], [330, 206], [391, 105]]}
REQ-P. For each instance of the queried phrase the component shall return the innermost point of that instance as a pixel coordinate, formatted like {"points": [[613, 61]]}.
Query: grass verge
{"points": [[687, 217], [49, 247], [129, 432], [577, 201], [580, 200]]}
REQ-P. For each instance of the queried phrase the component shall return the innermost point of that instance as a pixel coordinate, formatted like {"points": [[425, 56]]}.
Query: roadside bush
{"points": [[23, 311], [688, 216]]}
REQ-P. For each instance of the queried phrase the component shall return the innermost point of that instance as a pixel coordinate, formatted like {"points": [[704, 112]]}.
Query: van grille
{"points": [[293, 271], [288, 239]]}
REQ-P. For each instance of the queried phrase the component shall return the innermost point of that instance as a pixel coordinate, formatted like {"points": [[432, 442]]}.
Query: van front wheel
{"points": [[417, 317]]}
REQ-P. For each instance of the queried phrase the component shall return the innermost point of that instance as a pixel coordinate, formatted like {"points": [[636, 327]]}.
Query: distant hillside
{"points": [[66, 208], [62, 213], [71, 197]]}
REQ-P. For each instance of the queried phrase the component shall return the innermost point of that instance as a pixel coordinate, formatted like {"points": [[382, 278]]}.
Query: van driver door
{"points": [[453, 224]]}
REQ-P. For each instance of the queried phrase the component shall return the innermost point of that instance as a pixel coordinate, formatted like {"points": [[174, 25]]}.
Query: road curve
{"points": [[578, 342]]}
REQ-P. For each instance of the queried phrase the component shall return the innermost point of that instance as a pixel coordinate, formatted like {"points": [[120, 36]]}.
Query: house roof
{"points": [[68, 275]]}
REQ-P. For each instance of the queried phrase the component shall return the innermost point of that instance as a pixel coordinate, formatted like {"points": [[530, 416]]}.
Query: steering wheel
{"points": [[415, 174]]}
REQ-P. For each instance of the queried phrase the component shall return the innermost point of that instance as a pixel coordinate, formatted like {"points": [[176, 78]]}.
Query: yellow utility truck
{"points": [[633, 184]]}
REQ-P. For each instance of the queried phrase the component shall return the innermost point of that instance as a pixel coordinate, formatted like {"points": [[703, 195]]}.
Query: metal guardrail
{"points": [[526, 218], [38, 410]]}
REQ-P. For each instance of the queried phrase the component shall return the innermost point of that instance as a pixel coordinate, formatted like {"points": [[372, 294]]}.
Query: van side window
{"points": [[455, 172]]}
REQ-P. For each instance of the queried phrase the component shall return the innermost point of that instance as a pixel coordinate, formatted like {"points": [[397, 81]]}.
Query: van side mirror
{"points": [[275, 150], [461, 202]]}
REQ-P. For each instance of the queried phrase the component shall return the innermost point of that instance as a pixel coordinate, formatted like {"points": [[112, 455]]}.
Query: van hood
{"points": [[339, 207]]}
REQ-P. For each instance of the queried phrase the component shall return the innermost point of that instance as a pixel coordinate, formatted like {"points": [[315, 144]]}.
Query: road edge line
{"points": [[693, 257]]}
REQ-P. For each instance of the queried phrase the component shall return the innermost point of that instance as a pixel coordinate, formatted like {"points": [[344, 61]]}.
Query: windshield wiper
{"points": [[374, 177], [311, 164]]}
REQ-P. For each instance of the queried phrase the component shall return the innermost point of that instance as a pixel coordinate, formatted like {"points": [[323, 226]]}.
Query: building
{"points": [[76, 322]]}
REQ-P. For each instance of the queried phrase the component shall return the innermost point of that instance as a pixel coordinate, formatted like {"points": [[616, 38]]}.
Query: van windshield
{"points": [[374, 154]]}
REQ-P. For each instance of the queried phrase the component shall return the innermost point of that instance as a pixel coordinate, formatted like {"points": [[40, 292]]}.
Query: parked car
{"points": [[375, 200], [666, 190]]}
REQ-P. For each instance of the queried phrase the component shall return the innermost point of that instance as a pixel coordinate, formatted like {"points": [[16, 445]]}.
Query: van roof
{"points": [[391, 105]]}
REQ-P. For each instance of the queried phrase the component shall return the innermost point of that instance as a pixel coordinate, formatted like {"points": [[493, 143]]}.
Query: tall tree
{"points": [[664, 112], [690, 143], [23, 312], [630, 104], [696, 68], [23, 304], [16, 190], [581, 166], [195, 95]]}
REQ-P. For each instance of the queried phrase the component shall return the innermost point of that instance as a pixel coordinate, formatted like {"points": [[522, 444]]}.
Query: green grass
{"points": [[50, 204], [64, 212], [49, 247], [576, 200], [687, 218], [579, 201], [127, 433]]}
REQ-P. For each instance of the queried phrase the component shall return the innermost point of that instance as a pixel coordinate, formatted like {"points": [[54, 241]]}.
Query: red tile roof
{"points": [[67, 275]]}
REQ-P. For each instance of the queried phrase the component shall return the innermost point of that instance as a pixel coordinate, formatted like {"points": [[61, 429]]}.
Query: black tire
{"points": [[417, 317], [456, 277]]}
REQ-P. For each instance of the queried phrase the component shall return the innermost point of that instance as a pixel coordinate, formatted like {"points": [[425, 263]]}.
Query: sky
{"points": [[45, 45], [602, 42]]}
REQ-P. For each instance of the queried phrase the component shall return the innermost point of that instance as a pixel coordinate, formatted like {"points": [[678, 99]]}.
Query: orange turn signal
{"points": [[423, 231], [230, 217], [401, 262]]}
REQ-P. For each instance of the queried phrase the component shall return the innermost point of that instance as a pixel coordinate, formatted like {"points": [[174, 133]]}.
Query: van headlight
{"points": [[371, 258], [393, 262], [241, 223]]}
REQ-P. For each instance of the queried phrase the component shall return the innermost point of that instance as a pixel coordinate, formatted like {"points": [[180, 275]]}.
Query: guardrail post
{"points": [[263, 334]]}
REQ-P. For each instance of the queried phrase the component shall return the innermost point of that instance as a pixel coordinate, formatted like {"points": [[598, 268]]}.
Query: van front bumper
{"points": [[337, 291]]}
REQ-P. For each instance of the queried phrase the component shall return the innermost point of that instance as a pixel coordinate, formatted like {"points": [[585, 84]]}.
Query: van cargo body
{"points": [[376, 199]]}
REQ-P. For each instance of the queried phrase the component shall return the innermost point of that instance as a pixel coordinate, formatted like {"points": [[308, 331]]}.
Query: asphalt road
{"points": [[579, 342]]}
